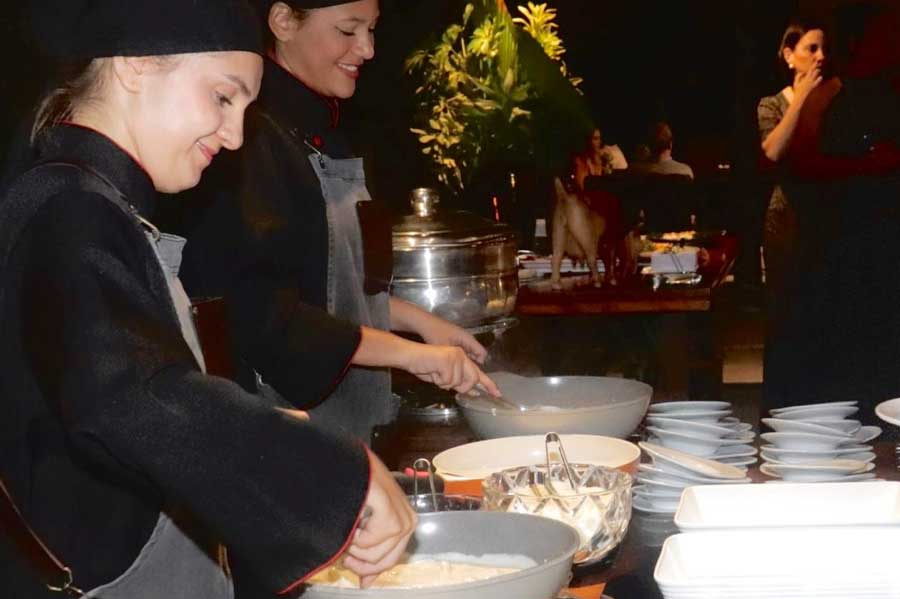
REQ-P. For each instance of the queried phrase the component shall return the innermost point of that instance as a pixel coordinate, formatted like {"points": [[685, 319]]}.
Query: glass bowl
{"points": [[599, 510], [427, 503]]}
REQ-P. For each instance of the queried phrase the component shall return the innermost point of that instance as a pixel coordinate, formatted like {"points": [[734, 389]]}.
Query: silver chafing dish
{"points": [[456, 265]]}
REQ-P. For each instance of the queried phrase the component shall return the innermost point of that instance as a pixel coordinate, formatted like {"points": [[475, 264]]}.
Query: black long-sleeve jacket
{"points": [[105, 418]]}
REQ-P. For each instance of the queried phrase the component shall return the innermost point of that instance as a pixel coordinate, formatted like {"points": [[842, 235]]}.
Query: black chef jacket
{"points": [[105, 417], [262, 243]]}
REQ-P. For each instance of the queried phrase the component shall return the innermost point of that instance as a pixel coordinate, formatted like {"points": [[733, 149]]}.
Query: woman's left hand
{"points": [[441, 332]]}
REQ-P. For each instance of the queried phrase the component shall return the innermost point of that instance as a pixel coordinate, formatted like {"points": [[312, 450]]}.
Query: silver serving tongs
{"points": [[418, 466], [549, 439]]}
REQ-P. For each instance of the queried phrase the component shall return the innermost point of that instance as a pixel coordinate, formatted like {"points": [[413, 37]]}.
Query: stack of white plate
{"points": [[818, 443], [661, 481], [702, 428]]}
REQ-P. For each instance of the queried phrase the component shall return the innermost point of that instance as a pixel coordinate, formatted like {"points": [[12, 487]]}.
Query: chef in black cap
{"points": [[136, 468], [288, 232]]}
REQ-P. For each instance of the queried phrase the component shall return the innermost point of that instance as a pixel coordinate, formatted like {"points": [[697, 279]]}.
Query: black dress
{"points": [[105, 417]]}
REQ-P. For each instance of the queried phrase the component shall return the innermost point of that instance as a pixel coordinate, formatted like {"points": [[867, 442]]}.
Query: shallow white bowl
{"points": [[699, 445], [588, 405], [482, 458], [889, 411], [672, 407], [657, 474], [689, 426], [824, 404], [781, 425], [811, 441], [786, 456], [817, 470], [818, 413]]}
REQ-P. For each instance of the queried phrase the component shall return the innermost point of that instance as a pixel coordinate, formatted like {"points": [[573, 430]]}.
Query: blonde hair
{"points": [[83, 85]]}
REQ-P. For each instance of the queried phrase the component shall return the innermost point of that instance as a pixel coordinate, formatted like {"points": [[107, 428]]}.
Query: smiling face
{"points": [[808, 53], [187, 112], [327, 49]]}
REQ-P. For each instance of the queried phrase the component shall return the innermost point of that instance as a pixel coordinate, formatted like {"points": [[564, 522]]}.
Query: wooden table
{"points": [[677, 326]]}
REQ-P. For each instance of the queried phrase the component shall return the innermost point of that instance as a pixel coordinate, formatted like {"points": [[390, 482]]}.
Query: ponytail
{"points": [[81, 85]]}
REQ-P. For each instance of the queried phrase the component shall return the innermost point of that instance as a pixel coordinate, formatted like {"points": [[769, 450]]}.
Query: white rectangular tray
{"points": [[710, 507], [735, 563]]}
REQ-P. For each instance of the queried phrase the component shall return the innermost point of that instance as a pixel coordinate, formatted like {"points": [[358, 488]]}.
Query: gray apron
{"points": [[171, 565], [363, 398]]}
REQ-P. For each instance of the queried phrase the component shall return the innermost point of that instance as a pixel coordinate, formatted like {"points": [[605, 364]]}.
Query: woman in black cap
{"points": [[292, 230], [136, 468]]}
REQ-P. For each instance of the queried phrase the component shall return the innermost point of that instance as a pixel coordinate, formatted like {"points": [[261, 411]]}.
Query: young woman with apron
{"points": [[136, 468], [293, 231]]}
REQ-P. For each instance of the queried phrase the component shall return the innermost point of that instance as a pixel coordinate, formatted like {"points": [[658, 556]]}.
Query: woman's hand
{"points": [[379, 541], [804, 83], [448, 367], [440, 332]]}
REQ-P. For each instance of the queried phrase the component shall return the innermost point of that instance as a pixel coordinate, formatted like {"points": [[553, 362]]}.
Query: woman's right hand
{"points": [[381, 538], [448, 367], [804, 83]]}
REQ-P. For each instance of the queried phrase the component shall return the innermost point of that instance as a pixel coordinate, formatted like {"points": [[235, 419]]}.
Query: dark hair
{"points": [[796, 29], [660, 138], [264, 8]]}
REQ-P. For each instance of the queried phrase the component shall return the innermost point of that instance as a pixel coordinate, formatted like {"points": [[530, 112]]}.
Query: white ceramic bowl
{"points": [[482, 458], [674, 407], [587, 405], [817, 412], [811, 441], [700, 445]]}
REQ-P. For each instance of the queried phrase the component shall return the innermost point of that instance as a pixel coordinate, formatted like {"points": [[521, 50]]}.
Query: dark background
{"points": [[702, 65]]}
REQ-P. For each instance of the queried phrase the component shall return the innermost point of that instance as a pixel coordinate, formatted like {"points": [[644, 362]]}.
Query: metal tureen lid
{"points": [[426, 227]]}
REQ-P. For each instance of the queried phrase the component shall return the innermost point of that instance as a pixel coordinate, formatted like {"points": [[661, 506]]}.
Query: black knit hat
{"points": [[265, 5], [74, 30]]}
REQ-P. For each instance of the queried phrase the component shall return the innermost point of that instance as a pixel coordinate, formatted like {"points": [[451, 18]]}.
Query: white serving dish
{"points": [[816, 471], [676, 461], [818, 412], [889, 411], [587, 405], [482, 458], [788, 562], [810, 441], [789, 505]]}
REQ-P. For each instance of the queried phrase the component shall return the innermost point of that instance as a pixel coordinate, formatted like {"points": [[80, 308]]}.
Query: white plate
{"points": [[699, 445], [802, 562], [656, 488], [867, 433], [482, 458], [845, 426], [669, 407], [889, 411], [675, 461], [688, 426], [704, 416], [738, 462], [804, 473], [823, 454], [686, 480], [786, 456], [735, 451], [816, 470], [780, 425], [850, 478], [808, 406], [818, 413], [811, 441], [789, 505], [642, 504]]}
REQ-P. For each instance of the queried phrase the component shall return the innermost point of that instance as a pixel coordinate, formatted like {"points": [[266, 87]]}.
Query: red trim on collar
{"points": [[112, 141]]}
